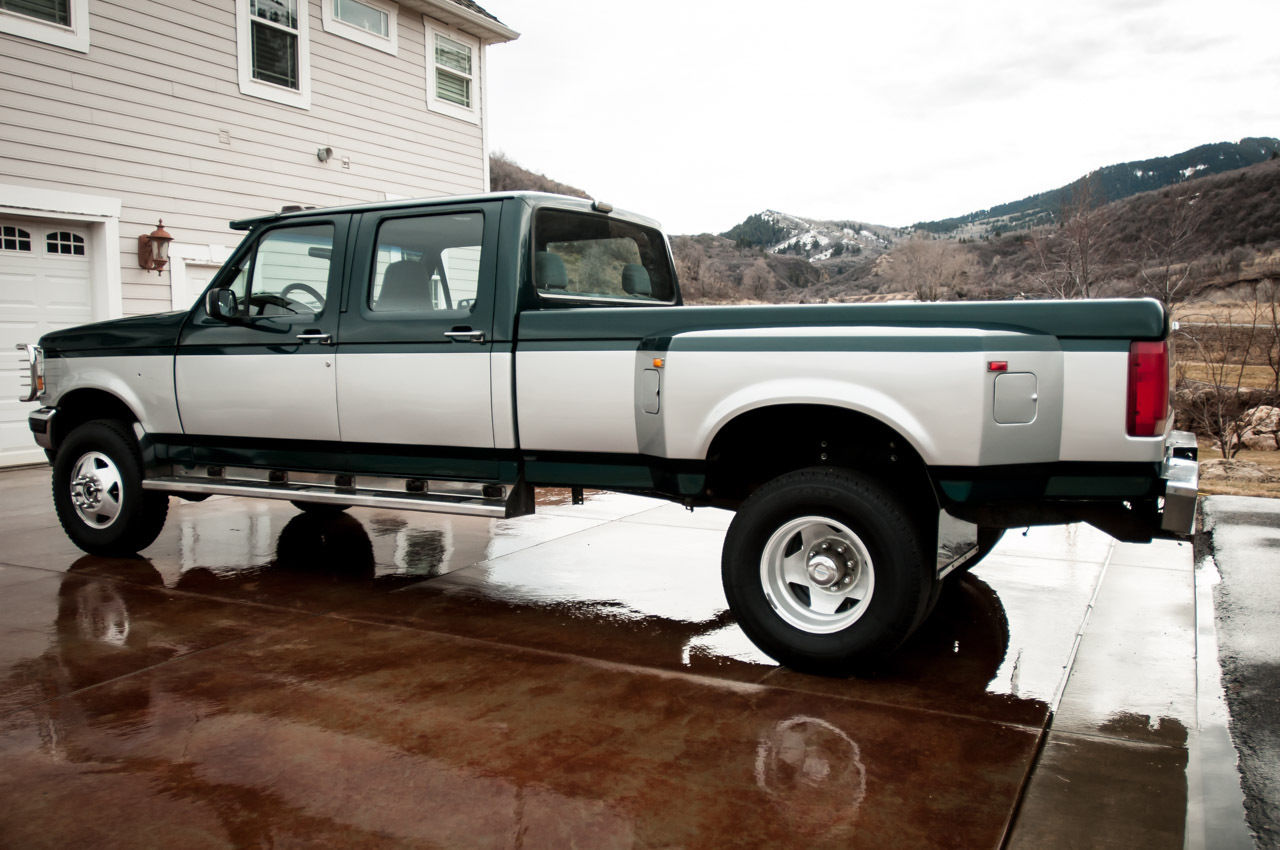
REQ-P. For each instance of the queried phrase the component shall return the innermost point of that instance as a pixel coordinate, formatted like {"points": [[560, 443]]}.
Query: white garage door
{"points": [[45, 284]]}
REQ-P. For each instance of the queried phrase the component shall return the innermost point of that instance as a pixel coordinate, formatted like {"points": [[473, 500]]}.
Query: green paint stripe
{"points": [[578, 345], [290, 348], [1097, 319], [875, 344], [1108, 345], [163, 351], [328, 456]]}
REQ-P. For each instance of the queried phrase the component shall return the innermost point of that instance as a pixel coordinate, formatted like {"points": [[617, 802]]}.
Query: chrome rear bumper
{"points": [[1181, 474]]}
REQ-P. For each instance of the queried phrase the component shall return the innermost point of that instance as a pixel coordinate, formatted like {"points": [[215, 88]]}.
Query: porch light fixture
{"points": [[153, 248]]}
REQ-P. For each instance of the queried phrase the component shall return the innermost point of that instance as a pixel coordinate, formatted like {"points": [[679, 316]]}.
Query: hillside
{"points": [[1209, 229], [1112, 183], [506, 176], [1175, 243]]}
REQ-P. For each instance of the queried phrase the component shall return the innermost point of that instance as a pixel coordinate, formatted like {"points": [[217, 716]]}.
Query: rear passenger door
{"points": [[416, 335]]}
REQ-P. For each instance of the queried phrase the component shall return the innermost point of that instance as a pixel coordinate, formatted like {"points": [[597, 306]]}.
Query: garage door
{"points": [[45, 284]]}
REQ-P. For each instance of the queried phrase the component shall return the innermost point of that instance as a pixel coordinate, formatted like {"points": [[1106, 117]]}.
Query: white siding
{"points": [[139, 116]]}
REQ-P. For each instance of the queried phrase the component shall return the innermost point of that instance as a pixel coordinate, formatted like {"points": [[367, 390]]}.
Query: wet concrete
{"points": [[1243, 543], [268, 678]]}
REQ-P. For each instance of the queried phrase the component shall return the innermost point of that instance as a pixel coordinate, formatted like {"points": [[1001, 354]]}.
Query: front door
{"points": [[416, 338], [267, 371]]}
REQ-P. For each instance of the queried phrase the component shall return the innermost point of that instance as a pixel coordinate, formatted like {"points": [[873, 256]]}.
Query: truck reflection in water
{"points": [[304, 746], [813, 772]]}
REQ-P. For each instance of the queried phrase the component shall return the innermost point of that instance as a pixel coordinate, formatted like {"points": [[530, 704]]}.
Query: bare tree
{"points": [[1271, 330], [1173, 225], [1222, 348], [1066, 255], [757, 280], [930, 268]]}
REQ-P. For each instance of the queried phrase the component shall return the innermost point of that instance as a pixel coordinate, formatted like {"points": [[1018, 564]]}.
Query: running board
{"points": [[496, 501]]}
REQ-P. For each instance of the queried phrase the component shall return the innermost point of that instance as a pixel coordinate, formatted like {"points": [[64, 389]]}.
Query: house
{"points": [[117, 114]]}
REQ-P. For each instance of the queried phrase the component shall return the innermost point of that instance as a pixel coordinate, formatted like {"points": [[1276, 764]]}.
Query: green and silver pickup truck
{"points": [[453, 354]]}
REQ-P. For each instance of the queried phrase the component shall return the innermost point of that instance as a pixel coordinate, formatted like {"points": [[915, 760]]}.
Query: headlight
{"points": [[31, 364]]}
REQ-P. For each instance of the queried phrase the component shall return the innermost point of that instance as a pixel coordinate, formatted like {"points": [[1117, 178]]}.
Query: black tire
{"points": [[318, 508], [108, 513], [837, 527]]}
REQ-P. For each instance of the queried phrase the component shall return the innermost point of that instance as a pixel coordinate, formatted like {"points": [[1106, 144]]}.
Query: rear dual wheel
{"points": [[826, 570]]}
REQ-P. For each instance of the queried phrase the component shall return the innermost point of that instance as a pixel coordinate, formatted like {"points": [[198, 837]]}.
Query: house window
{"points": [[273, 51], [370, 22], [62, 23], [53, 11], [14, 239], [453, 60], [64, 242]]}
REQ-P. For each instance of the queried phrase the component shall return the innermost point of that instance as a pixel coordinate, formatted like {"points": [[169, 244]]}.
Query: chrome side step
{"points": [[466, 499]]}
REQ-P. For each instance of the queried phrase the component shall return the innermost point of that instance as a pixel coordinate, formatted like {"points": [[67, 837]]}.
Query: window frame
{"points": [[248, 268], [74, 36], [570, 298], [472, 113], [334, 25], [71, 243], [254, 87], [19, 236], [482, 298]]}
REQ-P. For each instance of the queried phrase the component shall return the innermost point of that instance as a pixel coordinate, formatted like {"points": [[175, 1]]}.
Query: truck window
{"points": [[427, 264], [594, 256], [288, 274]]}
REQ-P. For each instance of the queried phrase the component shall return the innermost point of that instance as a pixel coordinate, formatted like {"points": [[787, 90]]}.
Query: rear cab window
{"points": [[594, 258]]}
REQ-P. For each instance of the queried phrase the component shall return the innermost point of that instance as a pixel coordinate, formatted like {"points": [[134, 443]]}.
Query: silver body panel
{"points": [[144, 383], [580, 401], [438, 398], [1094, 399], [279, 396]]}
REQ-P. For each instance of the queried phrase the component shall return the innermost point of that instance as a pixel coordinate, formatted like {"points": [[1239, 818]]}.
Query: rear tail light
{"points": [[1148, 389]]}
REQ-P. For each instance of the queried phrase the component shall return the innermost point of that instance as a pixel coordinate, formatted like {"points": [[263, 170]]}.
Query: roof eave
{"points": [[488, 30]]}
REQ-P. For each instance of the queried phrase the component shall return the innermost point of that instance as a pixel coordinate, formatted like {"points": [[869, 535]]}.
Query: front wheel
{"points": [[97, 491], [825, 570]]}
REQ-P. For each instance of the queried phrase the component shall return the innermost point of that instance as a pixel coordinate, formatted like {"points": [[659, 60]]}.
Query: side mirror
{"points": [[221, 304]]}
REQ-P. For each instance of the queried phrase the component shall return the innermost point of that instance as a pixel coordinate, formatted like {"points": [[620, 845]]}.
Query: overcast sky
{"points": [[701, 112]]}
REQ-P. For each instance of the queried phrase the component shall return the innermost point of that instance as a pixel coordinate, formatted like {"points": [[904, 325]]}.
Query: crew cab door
{"points": [[416, 335], [265, 367]]}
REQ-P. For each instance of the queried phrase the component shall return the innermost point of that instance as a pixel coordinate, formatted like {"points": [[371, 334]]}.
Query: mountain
{"points": [[1203, 232], [813, 239], [1105, 185], [1205, 220]]}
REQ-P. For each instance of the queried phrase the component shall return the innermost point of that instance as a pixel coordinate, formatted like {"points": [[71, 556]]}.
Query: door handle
{"points": [[465, 335], [316, 336]]}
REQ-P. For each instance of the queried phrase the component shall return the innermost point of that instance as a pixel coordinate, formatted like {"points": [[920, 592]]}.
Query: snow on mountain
{"points": [[812, 239]]}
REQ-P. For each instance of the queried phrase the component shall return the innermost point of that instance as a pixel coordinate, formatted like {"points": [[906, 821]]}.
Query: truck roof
{"points": [[531, 198]]}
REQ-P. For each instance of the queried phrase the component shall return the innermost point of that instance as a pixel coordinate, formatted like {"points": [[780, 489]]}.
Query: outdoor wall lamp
{"points": [[153, 248]]}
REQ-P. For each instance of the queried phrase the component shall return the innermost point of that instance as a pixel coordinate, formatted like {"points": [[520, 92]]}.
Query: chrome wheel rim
{"points": [[817, 574], [97, 490]]}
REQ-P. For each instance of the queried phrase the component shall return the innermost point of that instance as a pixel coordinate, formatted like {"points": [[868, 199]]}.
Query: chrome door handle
{"points": [[465, 335], [316, 336]]}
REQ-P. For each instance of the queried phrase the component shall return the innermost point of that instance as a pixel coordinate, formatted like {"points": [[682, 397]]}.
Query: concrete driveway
{"points": [[269, 678]]}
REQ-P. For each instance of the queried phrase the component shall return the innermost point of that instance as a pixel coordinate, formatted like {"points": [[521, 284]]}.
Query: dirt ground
{"points": [[1240, 485]]}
